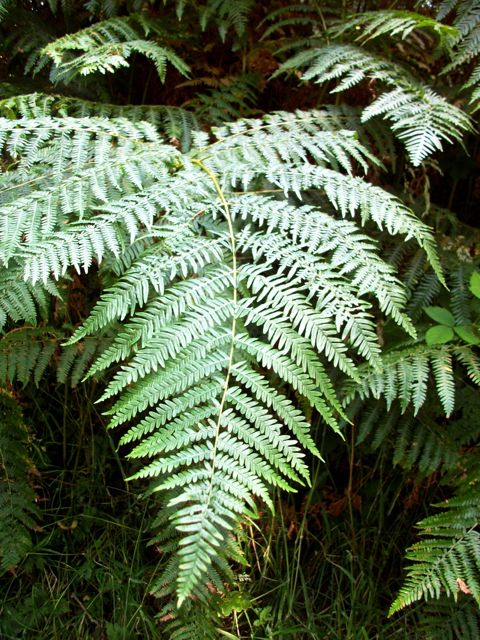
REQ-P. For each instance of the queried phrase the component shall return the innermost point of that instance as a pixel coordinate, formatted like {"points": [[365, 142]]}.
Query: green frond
{"points": [[445, 619], [106, 46], [152, 272], [442, 566], [394, 23], [27, 352], [227, 14], [280, 139], [423, 442], [460, 300], [5, 6], [220, 291], [404, 375], [441, 361], [18, 512], [421, 119], [171, 121], [446, 6], [471, 361], [232, 98], [448, 561]]}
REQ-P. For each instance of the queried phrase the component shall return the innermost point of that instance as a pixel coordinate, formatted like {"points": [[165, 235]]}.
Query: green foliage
{"points": [[421, 118], [18, 512], [169, 121], [394, 23], [448, 558], [466, 45], [107, 45], [190, 348], [444, 619], [228, 276]]}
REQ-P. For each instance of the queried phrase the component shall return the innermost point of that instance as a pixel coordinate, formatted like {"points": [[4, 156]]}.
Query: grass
{"points": [[328, 564], [325, 567], [89, 571]]}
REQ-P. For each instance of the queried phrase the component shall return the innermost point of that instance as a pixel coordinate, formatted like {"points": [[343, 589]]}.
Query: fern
{"points": [[92, 159], [242, 276], [394, 23], [18, 512], [27, 352], [420, 118], [106, 47], [466, 46], [226, 14], [404, 374], [170, 122], [447, 620], [214, 308], [448, 560], [423, 442]]}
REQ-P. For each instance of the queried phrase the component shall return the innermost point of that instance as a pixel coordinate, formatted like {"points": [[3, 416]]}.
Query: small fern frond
{"points": [[404, 374], [27, 352], [106, 46], [443, 566], [21, 301], [394, 23], [226, 14], [448, 561], [5, 6], [424, 441], [18, 511], [445, 619]]}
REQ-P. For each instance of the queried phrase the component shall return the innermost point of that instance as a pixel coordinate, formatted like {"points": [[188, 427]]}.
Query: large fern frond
{"points": [[241, 289]]}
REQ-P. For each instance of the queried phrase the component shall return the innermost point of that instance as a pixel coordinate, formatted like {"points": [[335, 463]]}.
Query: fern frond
{"points": [[5, 6], [227, 14], [106, 46], [170, 121], [394, 23], [18, 512], [27, 352], [424, 441], [21, 301], [226, 293], [421, 118], [405, 373], [93, 162], [445, 619], [443, 563], [217, 313], [449, 560], [232, 97]]}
